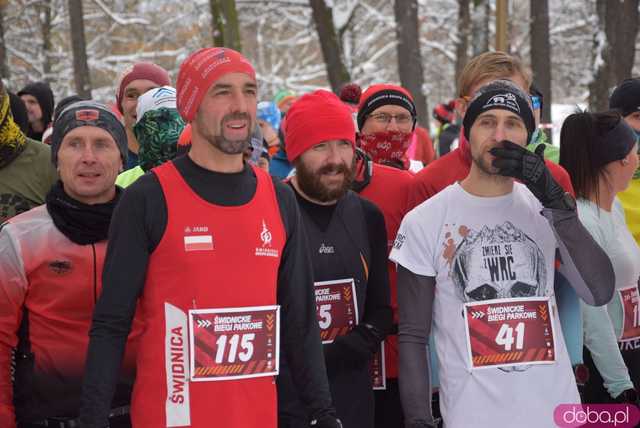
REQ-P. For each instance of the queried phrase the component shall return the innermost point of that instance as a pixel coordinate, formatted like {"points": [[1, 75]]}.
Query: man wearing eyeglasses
{"points": [[386, 119]]}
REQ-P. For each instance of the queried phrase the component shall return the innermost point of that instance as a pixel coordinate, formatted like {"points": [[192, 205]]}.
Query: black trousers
{"points": [[388, 409], [593, 390]]}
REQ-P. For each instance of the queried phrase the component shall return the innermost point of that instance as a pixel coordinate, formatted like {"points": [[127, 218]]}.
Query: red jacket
{"points": [[389, 189], [425, 152], [55, 283]]}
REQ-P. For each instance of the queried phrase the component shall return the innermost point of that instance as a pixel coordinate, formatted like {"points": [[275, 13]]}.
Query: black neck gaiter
{"points": [[83, 224]]}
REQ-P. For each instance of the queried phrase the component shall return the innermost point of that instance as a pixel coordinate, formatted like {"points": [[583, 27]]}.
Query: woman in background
{"points": [[599, 151]]}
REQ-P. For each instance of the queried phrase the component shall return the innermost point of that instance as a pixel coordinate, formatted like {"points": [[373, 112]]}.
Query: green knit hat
{"points": [[283, 96]]}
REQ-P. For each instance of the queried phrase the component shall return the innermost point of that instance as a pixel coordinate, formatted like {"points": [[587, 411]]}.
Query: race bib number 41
{"points": [[509, 332], [630, 313], [336, 308], [234, 343]]}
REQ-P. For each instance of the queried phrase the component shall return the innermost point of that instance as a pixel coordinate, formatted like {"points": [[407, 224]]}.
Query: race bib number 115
{"points": [[234, 343]]}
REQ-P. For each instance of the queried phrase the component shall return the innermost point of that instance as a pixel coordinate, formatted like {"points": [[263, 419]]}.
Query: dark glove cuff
{"points": [[563, 202]]}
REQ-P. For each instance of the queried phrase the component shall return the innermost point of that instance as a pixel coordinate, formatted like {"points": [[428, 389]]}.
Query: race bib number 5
{"points": [[234, 343], [509, 332], [336, 308], [630, 313]]}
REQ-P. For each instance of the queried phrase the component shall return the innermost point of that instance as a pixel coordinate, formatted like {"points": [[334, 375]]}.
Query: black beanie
{"points": [[383, 94], [503, 95], [88, 113], [625, 98], [42, 92]]}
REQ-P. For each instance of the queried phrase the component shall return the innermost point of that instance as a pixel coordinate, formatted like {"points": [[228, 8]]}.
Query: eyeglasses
{"points": [[385, 118]]}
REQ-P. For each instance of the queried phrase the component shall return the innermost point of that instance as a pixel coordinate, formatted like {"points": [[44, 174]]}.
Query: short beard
{"points": [[310, 181], [486, 169], [482, 165], [231, 147]]}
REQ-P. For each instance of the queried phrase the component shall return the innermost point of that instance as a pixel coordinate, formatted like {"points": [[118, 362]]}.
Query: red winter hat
{"points": [[200, 70], [314, 118], [382, 94], [141, 70]]}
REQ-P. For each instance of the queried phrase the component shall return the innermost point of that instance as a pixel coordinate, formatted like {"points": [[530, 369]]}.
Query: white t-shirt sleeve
{"points": [[413, 248]]}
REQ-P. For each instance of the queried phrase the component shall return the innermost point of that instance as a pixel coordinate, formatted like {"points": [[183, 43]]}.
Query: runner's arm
{"points": [[601, 340], [13, 288], [599, 333], [300, 334], [583, 262], [122, 282], [360, 344], [416, 294]]}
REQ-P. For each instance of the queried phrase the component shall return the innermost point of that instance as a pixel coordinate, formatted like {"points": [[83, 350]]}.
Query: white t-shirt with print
{"points": [[455, 237]]}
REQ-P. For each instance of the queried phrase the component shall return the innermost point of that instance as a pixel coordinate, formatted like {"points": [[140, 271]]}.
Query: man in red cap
{"points": [[213, 252], [135, 81], [386, 114], [347, 247]]}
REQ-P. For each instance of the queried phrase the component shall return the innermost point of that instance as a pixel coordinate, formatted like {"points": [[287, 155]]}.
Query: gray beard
{"points": [[230, 147]]}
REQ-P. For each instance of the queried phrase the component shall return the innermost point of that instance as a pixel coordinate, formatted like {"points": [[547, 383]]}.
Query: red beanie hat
{"points": [[200, 70], [382, 94], [314, 118], [141, 70]]}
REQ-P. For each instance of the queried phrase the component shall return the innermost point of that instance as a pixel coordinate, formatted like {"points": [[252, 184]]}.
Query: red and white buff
{"points": [[389, 147]]}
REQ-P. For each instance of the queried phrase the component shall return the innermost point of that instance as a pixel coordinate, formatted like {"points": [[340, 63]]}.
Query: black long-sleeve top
{"points": [[360, 344], [137, 227]]}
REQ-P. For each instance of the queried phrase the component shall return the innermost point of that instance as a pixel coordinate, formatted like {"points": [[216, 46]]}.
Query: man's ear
{"points": [[461, 106]]}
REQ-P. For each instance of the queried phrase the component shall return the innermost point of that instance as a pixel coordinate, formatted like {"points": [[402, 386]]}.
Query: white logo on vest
{"points": [[266, 238], [265, 235], [326, 249]]}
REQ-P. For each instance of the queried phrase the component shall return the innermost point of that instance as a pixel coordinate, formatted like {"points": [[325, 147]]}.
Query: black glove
{"points": [[354, 348], [627, 396], [529, 168], [326, 421]]}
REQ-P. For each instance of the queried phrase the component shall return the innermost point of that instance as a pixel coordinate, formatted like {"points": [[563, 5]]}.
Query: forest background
{"points": [[578, 49]]}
